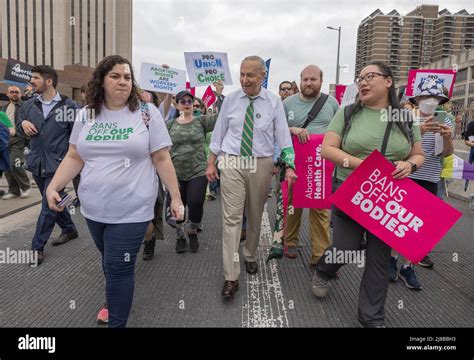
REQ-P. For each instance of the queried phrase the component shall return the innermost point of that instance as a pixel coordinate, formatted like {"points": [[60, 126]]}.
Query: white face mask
{"points": [[428, 106]]}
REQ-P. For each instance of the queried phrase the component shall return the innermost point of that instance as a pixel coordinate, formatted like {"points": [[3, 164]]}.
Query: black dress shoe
{"points": [[181, 245], [64, 238], [251, 267], [229, 289], [39, 259]]}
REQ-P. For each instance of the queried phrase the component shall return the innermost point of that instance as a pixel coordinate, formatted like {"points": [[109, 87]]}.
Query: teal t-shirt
{"points": [[297, 109], [366, 134]]}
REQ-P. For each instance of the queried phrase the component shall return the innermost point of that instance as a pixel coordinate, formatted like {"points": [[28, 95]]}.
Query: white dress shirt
{"points": [[49, 105], [269, 126]]}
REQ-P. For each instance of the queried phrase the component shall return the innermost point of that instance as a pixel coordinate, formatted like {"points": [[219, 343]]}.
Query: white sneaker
{"points": [[25, 194], [9, 196]]}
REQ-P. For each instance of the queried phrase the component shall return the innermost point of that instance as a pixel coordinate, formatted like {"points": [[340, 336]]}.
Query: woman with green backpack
{"points": [[354, 132]]}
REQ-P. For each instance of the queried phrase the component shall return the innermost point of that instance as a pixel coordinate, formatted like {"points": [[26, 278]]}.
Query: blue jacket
{"points": [[4, 154], [50, 145]]}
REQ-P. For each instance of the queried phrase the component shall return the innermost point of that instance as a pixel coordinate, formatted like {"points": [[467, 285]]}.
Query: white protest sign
{"points": [[350, 95], [205, 68], [156, 78]]}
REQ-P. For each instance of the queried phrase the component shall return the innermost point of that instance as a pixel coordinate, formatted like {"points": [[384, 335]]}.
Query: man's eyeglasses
{"points": [[185, 102], [14, 92], [286, 89], [368, 77]]}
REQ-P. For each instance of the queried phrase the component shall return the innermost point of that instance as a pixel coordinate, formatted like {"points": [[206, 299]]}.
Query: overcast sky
{"points": [[291, 32]]}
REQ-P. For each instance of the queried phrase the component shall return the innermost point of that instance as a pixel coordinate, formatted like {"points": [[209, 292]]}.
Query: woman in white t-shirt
{"points": [[118, 145]]}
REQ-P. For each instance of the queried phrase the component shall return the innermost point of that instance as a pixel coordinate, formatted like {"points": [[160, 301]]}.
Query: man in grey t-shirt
{"points": [[297, 108]]}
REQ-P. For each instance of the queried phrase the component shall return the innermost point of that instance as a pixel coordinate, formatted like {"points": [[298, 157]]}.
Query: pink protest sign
{"points": [[313, 186], [208, 98], [446, 77], [284, 193], [340, 89], [401, 213]]}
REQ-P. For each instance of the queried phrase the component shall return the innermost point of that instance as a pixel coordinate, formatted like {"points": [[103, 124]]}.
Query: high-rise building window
{"points": [[461, 75]]}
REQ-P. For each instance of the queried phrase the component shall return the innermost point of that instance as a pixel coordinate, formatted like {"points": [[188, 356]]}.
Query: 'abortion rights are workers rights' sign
{"points": [[401, 213], [313, 187], [156, 78], [205, 68]]}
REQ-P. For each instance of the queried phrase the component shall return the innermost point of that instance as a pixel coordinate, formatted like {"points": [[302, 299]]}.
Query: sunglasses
{"points": [[285, 89], [185, 102]]}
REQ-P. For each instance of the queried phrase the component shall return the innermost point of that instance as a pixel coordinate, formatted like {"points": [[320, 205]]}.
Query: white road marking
{"points": [[264, 305]]}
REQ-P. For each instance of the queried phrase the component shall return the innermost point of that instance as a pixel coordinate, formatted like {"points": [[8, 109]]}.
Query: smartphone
{"points": [[440, 116], [65, 201]]}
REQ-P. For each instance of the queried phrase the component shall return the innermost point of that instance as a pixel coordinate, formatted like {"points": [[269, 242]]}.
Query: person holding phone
{"points": [[118, 154], [434, 127]]}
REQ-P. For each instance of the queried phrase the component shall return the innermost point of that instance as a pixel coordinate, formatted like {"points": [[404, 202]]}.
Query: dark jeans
{"points": [[119, 245], [214, 186], [347, 236], [47, 218], [428, 185]]}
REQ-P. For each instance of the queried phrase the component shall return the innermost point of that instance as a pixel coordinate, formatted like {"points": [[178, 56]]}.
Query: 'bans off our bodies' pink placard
{"points": [[401, 213], [313, 187]]}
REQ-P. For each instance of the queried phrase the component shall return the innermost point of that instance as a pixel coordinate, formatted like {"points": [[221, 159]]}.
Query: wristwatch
{"points": [[414, 167]]}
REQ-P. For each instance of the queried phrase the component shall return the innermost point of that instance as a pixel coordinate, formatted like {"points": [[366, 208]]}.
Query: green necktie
{"points": [[247, 133]]}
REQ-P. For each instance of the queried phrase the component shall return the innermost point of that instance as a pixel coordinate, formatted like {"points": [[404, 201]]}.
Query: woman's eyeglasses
{"points": [[368, 77], [197, 106], [185, 102], [285, 89]]}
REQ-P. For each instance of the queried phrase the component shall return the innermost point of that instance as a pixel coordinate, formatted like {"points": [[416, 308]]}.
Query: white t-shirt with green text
{"points": [[119, 182]]}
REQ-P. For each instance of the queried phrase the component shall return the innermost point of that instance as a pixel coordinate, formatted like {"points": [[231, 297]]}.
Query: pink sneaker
{"points": [[103, 316]]}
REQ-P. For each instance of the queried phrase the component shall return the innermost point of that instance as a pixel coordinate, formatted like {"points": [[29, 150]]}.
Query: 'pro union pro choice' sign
{"points": [[205, 68]]}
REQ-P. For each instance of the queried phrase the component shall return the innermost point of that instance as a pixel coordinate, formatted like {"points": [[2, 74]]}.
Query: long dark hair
{"points": [[393, 102], [95, 95]]}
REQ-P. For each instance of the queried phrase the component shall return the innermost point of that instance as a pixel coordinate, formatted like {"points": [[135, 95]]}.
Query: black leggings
{"points": [[193, 195]]}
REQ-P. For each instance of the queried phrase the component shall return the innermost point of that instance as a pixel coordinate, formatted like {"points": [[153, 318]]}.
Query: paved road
{"points": [[183, 290]]}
